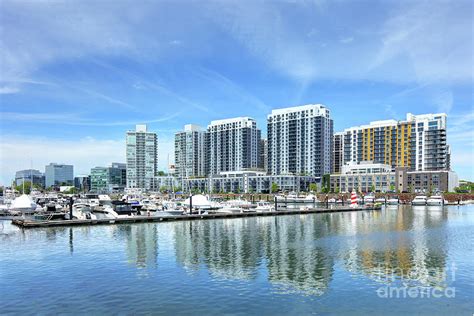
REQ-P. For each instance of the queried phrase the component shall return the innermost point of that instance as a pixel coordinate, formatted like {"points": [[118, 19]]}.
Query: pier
{"points": [[25, 223]]}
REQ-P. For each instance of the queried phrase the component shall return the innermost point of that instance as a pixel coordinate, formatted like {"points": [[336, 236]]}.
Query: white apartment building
{"points": [[300, 140], [190, 152], [142, 158]]}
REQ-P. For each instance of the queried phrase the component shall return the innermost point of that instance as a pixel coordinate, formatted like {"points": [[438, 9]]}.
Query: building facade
{"points": [[233, 145], [108, 179], [419, 143], [30, 175], [249, 182], [82, 183], [142, 158], [59, 174], [300, 140], [190, 152], [263, 155], [377, 177], [337, 152]]}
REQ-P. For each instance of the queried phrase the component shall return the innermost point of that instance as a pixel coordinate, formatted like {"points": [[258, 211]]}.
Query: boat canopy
{"points": [[23, 202]]}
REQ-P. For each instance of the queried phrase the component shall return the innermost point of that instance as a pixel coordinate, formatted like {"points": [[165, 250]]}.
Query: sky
{"points": [[76, 75]]}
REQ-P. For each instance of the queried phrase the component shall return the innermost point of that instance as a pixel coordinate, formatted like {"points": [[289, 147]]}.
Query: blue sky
{"points": [[76, 75]]}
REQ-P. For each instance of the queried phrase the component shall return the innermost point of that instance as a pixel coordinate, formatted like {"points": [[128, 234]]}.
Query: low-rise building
{"points": [[249, 182], [367, 176], [109, 179]]}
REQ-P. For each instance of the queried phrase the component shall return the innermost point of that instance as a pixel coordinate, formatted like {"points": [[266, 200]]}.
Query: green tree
{"points": [[336, 189], [372, 188], [161, 173], [163, 189], [313, 187], [392, 188], [27, 187], [274, 187], [326, 183]]}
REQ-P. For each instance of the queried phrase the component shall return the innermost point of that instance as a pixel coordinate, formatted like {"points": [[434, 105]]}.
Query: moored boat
{"points": [[419, 200]]}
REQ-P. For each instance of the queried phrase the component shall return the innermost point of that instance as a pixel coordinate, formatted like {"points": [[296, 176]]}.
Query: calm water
{"points": [[299, 264]]}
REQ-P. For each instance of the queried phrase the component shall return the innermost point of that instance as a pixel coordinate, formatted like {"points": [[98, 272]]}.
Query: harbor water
{"points": [[398, 260]]}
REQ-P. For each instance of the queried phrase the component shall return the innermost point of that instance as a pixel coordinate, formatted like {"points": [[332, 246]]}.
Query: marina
{"points": [[144, 219], [336, 262]]}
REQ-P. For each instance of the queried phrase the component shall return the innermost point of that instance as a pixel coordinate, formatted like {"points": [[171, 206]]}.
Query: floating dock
{"points": [[25, 223]]}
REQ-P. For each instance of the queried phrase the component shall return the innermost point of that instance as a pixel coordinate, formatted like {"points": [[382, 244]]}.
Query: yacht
{"points": [[263, 206], [419, 200], [435, 200]]}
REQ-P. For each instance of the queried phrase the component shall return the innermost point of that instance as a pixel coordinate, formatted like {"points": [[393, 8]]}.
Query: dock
{"points": [[25, 223]]}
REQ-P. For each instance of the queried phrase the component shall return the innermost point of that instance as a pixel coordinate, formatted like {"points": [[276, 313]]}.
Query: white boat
{"points": [[369, 199], [332, 200], [82, 211], [419, 200], [435, 200], [230, 210], [392, 201], [263, 206], [24, 204], [106, 211], [380, 200]]}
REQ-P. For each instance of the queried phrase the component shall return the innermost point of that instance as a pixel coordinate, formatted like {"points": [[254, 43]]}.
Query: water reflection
{"points": [[299, 252], [141, 244]]}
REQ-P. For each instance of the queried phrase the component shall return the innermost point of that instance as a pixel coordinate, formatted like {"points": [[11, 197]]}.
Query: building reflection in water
{"points": [[399, 249], [299, 252], [141, 244]]}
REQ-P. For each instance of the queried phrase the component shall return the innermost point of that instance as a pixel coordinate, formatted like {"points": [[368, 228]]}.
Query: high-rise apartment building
{"points": [[190, 152], [337, 152], [142, 158], [233, 145], [263, 155], [419, 142], [299, 140], [59, 174]]}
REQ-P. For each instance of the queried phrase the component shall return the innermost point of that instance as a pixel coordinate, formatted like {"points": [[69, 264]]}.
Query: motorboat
{"points": [[419, 200], [435, 200], [263, 206], [369, 199], [392, 201], [82, 211], [230, 210], [380, 200]]}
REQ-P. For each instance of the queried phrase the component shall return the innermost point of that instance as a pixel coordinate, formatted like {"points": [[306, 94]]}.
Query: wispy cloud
{"points": [[231, 88], [9, 90], [77, 119]]}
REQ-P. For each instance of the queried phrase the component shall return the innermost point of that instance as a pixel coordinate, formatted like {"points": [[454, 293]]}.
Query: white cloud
{"points": [[84, 154], [346, 40], [17, 153], [433, 37], [9, 90], [77, 119]]}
